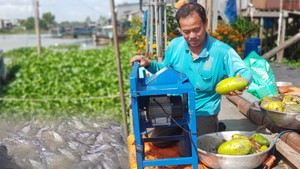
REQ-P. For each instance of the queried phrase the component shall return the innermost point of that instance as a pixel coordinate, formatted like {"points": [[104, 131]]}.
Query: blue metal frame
{"points": [[167, 81]]}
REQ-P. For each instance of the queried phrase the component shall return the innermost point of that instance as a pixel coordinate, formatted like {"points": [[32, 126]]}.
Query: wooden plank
{"points": [[284, 45], [290, 154], [265, 14]]}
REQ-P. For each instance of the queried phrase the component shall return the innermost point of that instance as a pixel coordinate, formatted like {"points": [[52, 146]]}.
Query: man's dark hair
{"points": [[189, 8]]}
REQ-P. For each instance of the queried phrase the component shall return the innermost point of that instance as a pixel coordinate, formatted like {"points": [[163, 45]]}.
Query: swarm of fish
{"points": [[68, 144]]}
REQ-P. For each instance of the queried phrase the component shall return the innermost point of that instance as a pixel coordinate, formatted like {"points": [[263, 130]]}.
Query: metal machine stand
{"points": [[164, 99]]}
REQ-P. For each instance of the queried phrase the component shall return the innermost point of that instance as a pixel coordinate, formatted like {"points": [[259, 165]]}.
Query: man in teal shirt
{"points": [[204, 59]]}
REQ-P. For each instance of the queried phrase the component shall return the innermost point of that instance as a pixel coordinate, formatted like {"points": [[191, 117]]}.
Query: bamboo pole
{"points": [[117, 51], [37, 27]]}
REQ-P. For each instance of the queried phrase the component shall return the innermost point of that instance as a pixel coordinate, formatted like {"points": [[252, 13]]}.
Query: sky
{"points": [[63, 10]]}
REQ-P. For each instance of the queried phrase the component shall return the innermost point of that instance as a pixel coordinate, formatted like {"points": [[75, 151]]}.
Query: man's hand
{"points": [[142, 61], [237, 92]]}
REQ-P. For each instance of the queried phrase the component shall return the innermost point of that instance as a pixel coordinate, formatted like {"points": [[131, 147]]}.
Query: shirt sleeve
{"points": [[156, 66], [235, 65]]}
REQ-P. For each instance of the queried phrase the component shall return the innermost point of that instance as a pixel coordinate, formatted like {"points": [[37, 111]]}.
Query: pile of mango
{"points": [[243, 145], [283, 103]]}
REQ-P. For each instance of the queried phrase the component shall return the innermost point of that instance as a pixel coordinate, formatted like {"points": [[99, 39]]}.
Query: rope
{"points": [[57, 99]]}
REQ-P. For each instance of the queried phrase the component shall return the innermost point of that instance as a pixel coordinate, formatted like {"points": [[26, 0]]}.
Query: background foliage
{"points": [[236, 33], [52, 85], [137, 33]]}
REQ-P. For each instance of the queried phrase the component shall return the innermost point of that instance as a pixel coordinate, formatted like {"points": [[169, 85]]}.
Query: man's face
{"points": [[193, 29]]}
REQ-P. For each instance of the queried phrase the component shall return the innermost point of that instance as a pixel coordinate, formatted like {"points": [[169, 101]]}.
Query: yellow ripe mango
{"points": [[236, 146], [275, 105], [263, 148], [231, 84]]}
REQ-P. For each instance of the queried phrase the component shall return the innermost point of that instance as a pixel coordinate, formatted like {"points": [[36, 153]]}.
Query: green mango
{"points": [[266, 98], [287, 98], [236, 136], [289, 102], [296, 99], [236, 146], [291, 108], [260, 139], [231, 84]]}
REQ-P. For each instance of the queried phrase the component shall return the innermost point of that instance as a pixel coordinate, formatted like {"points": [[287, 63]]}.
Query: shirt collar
{"points": [[205, 51]]}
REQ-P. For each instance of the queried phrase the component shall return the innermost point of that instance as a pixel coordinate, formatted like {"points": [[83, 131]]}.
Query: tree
{"points": [[29, 23], [102, 20], [48, 19]]}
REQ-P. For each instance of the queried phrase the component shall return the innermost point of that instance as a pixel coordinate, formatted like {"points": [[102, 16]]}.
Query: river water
{"points": [[8, 42]]}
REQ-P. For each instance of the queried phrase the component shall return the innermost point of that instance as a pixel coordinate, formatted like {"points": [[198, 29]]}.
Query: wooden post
{"points": [[117, 51], [215, 15], [209, 11], [37, 27], [261, 29], [281, 32], [240, 7], [282, 40]]}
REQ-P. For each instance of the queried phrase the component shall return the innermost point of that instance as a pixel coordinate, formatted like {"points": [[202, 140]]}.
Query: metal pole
{"points": [[157, 29], [117, 51], [148, 32], [151, 10], [37, 27], [165, 28]]}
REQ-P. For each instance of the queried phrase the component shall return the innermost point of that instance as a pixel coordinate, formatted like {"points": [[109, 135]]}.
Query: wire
{"points": [[89, 6], [190, 133], [173, 118], [277, 137]]}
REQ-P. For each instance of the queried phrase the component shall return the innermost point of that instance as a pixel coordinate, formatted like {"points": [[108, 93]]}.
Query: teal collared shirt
{"points": [[216, 61]]}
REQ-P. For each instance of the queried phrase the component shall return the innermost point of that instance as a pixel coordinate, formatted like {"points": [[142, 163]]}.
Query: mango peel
{"points": [[237, 146], [231, 84]]}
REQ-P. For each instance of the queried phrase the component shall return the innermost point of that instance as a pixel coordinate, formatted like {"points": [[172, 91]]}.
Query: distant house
{"points": [[8, 24], [1, 23], [126, 11], [5, 24]]}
